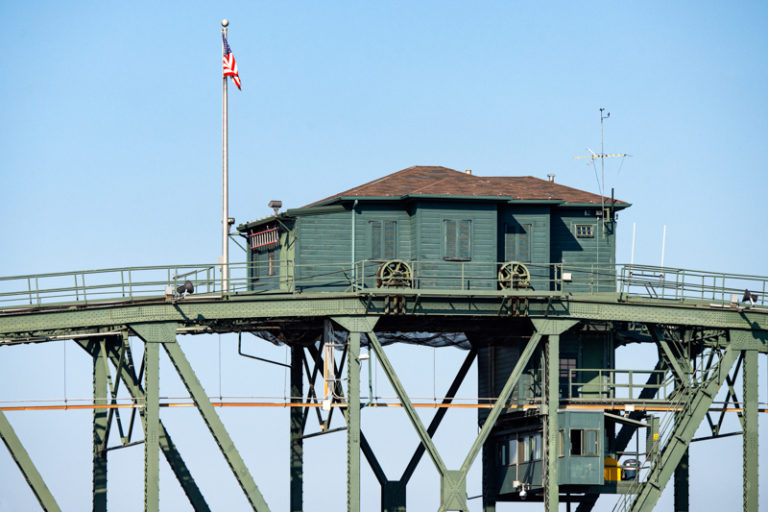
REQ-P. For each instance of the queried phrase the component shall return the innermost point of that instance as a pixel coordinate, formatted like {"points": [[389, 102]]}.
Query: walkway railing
{"points": [[123, 284]]}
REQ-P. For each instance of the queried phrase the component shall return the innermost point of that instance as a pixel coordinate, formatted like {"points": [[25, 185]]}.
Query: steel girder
{"points": [[695, 409], [27, 467], [247, 311]]}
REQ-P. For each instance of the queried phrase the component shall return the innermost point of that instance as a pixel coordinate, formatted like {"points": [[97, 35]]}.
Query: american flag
{"points": [[230, 68]]}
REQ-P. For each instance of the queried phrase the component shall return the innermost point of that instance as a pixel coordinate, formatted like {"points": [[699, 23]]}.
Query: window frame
{"points": [[584, 230], [378, 231], [454, 247]]}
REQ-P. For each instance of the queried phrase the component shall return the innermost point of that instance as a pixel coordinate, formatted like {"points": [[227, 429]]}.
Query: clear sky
{"points": [[110, 156]]}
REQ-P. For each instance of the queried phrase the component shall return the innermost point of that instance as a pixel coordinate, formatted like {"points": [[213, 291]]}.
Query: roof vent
{"points": [[551, 177], [468, 171]]}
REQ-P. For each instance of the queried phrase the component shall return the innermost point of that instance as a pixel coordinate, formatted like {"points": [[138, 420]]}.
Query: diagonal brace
{"points": [[27, 467], [389, 371], [212, 420]]}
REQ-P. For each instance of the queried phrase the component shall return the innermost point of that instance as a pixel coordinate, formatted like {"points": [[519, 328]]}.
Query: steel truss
{"points": [[720, 349]]}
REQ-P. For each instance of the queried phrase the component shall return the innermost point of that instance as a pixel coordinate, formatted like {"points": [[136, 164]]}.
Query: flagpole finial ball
{"points": [[224, 22]]}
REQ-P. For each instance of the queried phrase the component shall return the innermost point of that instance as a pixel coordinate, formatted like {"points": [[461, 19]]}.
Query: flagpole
{"points": [[225, 174]]}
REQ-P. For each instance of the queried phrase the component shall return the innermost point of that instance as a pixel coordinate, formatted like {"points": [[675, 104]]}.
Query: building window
{"points": [[517, 241], [585, 442], [584, 231], [512, 450], [383, 239], [457, 240], [561, 443], [536, 446]]}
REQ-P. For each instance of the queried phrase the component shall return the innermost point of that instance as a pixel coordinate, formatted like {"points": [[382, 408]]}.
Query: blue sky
{"points": [[110, 155]]}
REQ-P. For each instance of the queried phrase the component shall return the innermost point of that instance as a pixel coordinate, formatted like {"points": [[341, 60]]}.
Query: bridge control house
{"points": [[433, 228]]}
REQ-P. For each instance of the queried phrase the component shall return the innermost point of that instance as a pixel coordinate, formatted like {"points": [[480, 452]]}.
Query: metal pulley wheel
{"points": [[514, 274], [394, 274]]}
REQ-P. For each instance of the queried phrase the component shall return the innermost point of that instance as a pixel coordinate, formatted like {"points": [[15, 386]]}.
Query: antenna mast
{"points": [[602, 156]]}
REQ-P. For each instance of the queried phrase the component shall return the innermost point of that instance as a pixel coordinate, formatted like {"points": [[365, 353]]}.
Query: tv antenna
{"points": [[602, 156]]}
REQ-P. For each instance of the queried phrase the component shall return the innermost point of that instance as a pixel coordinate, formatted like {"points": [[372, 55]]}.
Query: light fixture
{"points": [[275, 205], [749, 297], [186, 289], [523, 493]]}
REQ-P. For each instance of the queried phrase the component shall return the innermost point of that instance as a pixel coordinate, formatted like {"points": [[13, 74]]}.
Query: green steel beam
{"points": [[353, 422], [624, 436], [296, 442], [441, 412], [552, 390], [695, 409], [127, 374], [152, 428], [27, 467], [682, 484], [501, 401], [659, 336], [389, 371], [370, 456], [750, 441], [100, 424], [216, 427], [34, 325]]}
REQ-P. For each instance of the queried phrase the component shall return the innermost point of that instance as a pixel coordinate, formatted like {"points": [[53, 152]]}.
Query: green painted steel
{"points": [[353, 422], [296, 443], [682, 484], [695, 408], [216, 427], [389, 371], [27, 467], [100, 424], [151, 430], [127, 373], [440, 414], [750, 437], [453, 491], [552, 392], [501, 400]]}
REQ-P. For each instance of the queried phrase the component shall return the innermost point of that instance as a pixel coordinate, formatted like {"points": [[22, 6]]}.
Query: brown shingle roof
{"points": [[441, 181]]}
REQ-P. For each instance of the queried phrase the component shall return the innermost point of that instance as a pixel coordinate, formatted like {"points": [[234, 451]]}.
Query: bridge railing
{"points": [[615, 384], [728, 290], [720, 289]]}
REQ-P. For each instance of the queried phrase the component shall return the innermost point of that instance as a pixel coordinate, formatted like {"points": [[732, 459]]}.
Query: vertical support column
{"points": [[682, 484], [296, 432], [100, 392], [152, 430], [750, 461], [353, 423], [552, 389]]}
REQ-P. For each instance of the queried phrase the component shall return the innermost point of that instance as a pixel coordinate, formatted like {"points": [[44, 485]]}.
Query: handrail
{"points": [[664, 283]]}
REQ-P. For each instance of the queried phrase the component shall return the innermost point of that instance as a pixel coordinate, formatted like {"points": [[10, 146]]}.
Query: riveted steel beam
{"points": [[389, 371], [296, 442], [695, 409], [126, 372], [750, 438], [215, 426], [27, 467], [353, 422], [100, 425]]}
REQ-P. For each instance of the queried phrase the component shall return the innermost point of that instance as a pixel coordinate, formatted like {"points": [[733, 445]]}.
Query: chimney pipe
{"points": [[551, 177], [468, 171]]}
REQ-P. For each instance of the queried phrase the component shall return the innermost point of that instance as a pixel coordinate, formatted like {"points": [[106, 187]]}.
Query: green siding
{"points": [[436, 271], [323, 251], [590, 260], [366, 218], [521, 226]]}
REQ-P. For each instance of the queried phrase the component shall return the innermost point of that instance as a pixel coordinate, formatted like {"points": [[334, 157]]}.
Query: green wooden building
{"points": [[434, 228]]}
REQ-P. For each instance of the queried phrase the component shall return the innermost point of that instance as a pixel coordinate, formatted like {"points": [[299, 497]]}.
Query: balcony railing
{"points": [[130, 284]]}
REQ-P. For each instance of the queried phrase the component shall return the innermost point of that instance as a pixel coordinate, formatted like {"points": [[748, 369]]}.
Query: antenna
{"points": [[602, 156]]}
